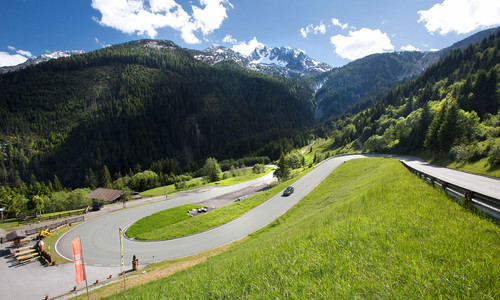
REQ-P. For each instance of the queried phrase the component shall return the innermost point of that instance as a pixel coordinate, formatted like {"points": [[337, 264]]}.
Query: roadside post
{"points": [[122, 264]]}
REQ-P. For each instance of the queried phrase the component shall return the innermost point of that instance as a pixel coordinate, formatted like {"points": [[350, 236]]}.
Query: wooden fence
{"points": [[32, 219]]}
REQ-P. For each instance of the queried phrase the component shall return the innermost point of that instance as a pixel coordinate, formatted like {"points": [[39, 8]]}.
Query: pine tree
{"points": [[448, 131], [137, 168], [283, 170], [90, 179], [105, 178], [431, 139], [57, 184]]}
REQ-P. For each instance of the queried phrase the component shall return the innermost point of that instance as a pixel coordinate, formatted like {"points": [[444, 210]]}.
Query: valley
{"points": [[150, 114]]}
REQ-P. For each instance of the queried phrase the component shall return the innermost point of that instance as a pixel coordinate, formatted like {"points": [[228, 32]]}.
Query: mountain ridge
{"points": [[358, 84], [40, 59], [279, 61]]}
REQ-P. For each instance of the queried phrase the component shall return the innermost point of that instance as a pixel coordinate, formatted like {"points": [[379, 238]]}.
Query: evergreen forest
{"points": [[136, 104]]}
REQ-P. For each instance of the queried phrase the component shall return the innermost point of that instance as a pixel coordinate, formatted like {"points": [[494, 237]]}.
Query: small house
{"points": [[106, 195]]}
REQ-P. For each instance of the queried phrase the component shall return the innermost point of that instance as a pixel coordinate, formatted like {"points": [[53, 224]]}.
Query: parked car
{"points": [[97, 206], [288, 191]]}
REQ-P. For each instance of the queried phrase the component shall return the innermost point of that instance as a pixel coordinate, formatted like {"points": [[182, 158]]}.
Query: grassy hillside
{"points": [[370, 230]]}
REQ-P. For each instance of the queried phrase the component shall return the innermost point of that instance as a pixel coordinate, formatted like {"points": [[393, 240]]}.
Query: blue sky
{"points": [[332, 31]]}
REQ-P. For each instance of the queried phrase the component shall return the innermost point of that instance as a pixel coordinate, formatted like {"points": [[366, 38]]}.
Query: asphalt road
{"points": [[478, 183], [100, 236]]}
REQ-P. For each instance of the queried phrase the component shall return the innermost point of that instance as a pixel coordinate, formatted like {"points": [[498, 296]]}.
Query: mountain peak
{"points": [[41, 58], [282, 61]]}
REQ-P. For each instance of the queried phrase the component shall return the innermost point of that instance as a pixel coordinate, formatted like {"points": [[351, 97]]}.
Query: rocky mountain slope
{"points": [[41, 58], [279, 61]]}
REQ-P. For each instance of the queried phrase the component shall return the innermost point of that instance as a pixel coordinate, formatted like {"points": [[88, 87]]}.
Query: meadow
{"points": [[370, 230]]}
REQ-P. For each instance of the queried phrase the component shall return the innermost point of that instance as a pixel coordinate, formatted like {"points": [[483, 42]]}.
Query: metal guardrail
{"points": [[468, 198]]}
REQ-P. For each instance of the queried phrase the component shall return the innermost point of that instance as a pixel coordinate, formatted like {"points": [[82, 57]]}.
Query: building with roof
{"points": [[106, 195]]}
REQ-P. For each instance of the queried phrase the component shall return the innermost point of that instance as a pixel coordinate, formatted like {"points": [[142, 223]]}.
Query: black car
{"points": [[288, 191], [97, 206]]}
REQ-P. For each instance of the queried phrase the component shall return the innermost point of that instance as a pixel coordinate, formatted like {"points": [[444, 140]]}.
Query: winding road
{"points": [[100, 236]]}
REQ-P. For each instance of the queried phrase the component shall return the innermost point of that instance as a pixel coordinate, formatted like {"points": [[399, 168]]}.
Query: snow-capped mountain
{"points": [[282, 61], [293, 60], [216, 54], [41, 58]]}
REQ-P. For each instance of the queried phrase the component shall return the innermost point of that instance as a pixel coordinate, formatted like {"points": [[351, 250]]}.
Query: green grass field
{"points": [[160, 220], [370, 230]]}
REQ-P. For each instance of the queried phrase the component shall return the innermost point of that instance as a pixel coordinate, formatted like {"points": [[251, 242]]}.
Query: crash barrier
{"points": [[468, 198], [54, 225]]}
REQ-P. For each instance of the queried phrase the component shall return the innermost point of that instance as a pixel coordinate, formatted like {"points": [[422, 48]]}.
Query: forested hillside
{"points": [[361, 83], [451, 110], [133, 104]]}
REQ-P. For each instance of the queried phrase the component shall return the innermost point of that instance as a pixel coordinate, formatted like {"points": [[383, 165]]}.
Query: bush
{"points": [[459, 153], [144, 181], [180, 185], [259, 168], [494, 155], [462, 153], [295, 159]]}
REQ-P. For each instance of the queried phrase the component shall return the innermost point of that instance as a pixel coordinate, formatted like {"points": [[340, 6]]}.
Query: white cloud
{"points": [[20, 52], [24, 53], [336, 22], [7, 59], [361, 43], [247, 48], [229, 39], [461, 16], [144, 17], [210, 17], [101, 43], [318, 29], [410, 48]]}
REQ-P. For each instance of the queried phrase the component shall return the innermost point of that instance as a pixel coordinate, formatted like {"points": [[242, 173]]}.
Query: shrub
{"points": [[459, 153], [462, 153], [259, 168], [180, 185], [494, 155]]}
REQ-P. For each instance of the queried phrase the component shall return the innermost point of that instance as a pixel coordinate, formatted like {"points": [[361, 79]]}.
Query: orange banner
{"points": [[78, 260]]}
